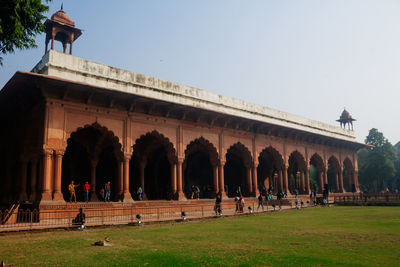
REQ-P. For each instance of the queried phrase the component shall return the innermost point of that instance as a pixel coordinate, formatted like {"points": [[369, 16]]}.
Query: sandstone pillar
{"points": [[221, 178], [126, 195], [337, 182], [285, 179], [280, 178], [173, 179], [180, 195], [308, 190], [93, 195], [321, 181], [350, 180], [215, 179], [355, 180], [341, 180], [57, 195], [326, 176], [302, 183], [120, 179], [249, 181], [47, 165], [255, 185]]}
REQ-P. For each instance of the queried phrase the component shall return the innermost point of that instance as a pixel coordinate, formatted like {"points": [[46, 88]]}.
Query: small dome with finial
{"points": [[61, 17], [346, 118], [345, 115], [61, 28]]}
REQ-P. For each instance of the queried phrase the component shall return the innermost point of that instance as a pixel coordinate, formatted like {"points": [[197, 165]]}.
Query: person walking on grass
{"points": [[241, 204], [279, 197], [260, 202], [217, 207], [71, 189]]}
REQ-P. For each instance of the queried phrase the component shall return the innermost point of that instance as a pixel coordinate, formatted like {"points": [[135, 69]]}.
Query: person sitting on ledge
{"points": [[80, 219]]}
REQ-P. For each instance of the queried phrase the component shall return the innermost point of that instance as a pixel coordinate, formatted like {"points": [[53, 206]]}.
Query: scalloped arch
{"points": [[274, 153], [149, 141], [317, 161], [243, 152], [202, 144], [103, 134]]}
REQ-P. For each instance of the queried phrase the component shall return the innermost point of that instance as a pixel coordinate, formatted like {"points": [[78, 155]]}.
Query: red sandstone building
{"points": [[72, 119]]}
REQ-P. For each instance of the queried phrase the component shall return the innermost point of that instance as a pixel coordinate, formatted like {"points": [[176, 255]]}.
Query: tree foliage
{"points": [[377, 163], [20, 22]]}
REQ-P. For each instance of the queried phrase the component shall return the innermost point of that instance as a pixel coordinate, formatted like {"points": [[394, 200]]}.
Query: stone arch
{"points": [[269, 170], [199, 167], [348, 173], [296, 171], [68, 133], [316, 173], [237, 170], [152, 164], [92, 154], [333, 174]]}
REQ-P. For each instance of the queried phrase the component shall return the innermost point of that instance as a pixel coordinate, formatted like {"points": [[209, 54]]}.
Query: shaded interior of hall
{"points": [[86, 148], [198, 171]]}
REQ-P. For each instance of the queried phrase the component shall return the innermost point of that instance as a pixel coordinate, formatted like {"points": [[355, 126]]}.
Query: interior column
{"points": [[255, 186], [302, 183], [249, 181], [215, 179], [47, 165], [308, 181], [221, 178], [285, 179], [180, 194], [126, 195], [57, 195], [173, 179]]}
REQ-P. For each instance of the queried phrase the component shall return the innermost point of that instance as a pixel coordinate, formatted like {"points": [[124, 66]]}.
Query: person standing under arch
{"points": [[107, 188], [86, 189], [71, 189]]}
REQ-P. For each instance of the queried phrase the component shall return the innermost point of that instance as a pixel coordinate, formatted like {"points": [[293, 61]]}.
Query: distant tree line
{"points": [[379, 164]]}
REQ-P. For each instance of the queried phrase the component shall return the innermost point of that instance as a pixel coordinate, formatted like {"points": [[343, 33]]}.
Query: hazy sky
{"points": [[309, 58]]}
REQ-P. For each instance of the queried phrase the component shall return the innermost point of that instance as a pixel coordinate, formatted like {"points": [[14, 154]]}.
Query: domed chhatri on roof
{"points": [[62, 17], [61, 28], [346, 118]]}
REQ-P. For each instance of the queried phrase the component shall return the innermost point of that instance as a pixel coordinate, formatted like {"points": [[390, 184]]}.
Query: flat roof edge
{"points": [[72, 68]]}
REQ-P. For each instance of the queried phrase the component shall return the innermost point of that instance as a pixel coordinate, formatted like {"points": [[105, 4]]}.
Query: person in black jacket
{"points": [[260, 202]]}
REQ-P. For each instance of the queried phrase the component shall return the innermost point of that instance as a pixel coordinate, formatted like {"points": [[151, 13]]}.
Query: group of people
{"points": [[105, 192], [269, 196]]}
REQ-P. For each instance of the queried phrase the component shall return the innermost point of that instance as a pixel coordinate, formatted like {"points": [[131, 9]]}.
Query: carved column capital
{"points": [[59, 152], [47, 152], [127, 156]]}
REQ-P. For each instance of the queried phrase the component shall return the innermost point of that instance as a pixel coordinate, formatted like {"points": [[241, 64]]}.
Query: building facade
{"points": [[72, 119]]}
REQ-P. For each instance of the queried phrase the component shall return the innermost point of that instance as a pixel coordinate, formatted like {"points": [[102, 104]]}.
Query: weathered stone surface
{"points": [[76, 69]]}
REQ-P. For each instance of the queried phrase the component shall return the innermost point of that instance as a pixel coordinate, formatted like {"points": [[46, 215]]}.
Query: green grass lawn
{"points": [[334, 236]]}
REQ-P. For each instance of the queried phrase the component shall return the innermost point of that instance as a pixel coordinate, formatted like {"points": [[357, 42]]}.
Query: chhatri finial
{"points": [[62, 6]]}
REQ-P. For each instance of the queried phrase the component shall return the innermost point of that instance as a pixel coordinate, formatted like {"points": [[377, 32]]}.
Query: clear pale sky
{"points": [[309, 58]]}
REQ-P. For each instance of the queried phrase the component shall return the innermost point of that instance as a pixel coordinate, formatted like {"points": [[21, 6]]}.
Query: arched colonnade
{"points": [[94, 154]]}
